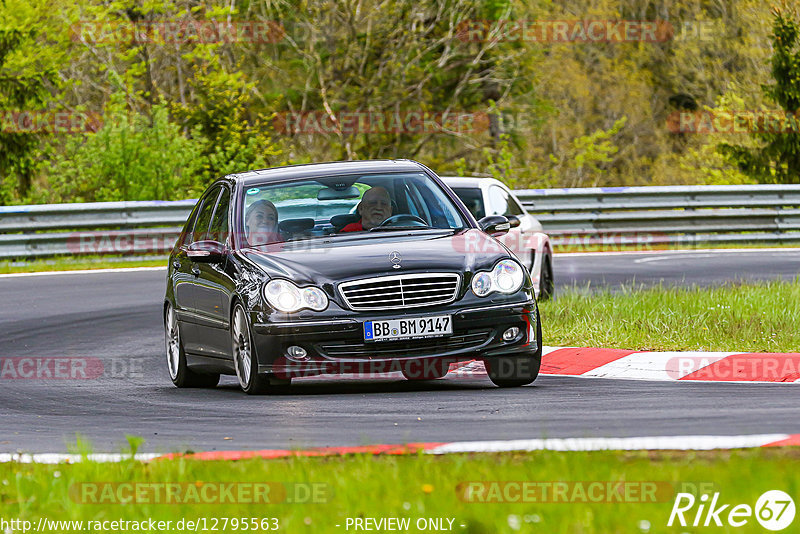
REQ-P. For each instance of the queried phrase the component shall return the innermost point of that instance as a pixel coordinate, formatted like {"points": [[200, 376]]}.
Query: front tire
{"points": [[546, 283], [179, 372], [244, 355], [517, 370]]}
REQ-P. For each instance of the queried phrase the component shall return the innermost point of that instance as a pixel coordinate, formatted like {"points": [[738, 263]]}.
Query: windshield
{"points": [[340, 205]]}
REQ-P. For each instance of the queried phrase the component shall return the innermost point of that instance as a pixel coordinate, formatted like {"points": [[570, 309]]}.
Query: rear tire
{"points": [[179, 372], [517, 370]]}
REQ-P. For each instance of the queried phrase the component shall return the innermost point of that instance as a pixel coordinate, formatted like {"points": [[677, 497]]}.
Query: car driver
{"points": [[375, 207]]}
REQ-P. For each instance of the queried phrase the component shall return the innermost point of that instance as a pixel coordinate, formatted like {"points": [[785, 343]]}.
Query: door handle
{"points": [[176, 264], [195, 270]]}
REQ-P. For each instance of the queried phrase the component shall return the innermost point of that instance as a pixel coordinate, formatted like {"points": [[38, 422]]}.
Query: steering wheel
{"points": [[405, 218]]}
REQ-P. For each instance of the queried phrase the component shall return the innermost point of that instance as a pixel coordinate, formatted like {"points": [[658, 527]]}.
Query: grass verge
{"points": [[317, 494], [78, 264], [753, 317], [570, 248]]}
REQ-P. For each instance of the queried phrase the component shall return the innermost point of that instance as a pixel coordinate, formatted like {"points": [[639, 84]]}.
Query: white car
{"points": [[487, 196]]}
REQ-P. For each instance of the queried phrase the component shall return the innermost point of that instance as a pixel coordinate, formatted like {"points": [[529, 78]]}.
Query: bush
{"points": [[131, 157]]}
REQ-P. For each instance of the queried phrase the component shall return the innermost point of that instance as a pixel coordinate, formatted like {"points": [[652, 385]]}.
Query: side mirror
{"points": [[206, 251], [513, 221], [495, 225]]}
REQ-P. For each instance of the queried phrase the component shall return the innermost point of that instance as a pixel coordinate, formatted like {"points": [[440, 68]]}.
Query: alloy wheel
{"points": [[242, 347], [173, 342]]}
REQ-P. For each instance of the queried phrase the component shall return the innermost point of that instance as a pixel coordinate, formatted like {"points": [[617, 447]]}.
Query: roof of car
{"points": [[467, 181], [311, 170]]}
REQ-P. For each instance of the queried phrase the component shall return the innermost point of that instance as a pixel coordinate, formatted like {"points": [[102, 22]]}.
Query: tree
{"points": [[131, 157], [19, 91], [777, 159]]}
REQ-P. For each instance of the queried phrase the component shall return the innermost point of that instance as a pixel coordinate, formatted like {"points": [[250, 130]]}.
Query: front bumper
{"points": [[336, 345]]}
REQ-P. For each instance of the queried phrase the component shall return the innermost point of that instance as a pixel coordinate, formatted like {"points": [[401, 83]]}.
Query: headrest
{"points": [[343, 219], [296, 226]]}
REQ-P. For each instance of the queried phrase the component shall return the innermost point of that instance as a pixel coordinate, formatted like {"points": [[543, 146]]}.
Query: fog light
{"points": [[511, 334], [297, 353]]}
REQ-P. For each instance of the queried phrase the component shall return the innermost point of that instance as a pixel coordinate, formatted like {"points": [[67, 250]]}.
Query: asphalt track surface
{"points": [[116, 317]]}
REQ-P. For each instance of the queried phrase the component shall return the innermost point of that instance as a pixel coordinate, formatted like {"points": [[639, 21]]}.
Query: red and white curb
{"points": [[771, 367], [673, 366], [681, 443]]}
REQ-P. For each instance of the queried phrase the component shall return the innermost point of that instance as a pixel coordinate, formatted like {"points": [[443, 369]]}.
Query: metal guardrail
{"points": [[673, 214], [96, 228], [764, 214]]}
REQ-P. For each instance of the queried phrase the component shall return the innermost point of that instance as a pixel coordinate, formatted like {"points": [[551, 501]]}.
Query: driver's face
{"points": [[375, 207]]}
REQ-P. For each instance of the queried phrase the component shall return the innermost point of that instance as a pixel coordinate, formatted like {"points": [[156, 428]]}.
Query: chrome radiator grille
{"points": [[400, 291]]}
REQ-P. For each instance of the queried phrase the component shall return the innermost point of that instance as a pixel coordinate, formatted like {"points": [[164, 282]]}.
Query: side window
{"points": [[473, 200], [204, 216], [416, 203], [410, 203], [219, 222], [186, 235], [513, 207], [501, 203], [498, 201]]}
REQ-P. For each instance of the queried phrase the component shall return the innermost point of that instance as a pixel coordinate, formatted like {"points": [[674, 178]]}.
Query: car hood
{"points": [[320, 261]]}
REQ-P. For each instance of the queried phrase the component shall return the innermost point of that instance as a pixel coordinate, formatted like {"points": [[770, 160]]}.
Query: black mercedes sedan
{"points": [[349, 267]]}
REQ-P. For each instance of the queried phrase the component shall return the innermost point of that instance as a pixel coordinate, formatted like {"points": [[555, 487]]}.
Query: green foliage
{"points": [[235, 139], [554, 108], [500, 166], [24, 86], [585, 159], [131, 157], [776, 158]]}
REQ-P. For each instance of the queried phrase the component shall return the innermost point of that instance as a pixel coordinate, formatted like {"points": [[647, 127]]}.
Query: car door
{"points": [[500, 202], [192, 287], [214, 287], [182, 277]]}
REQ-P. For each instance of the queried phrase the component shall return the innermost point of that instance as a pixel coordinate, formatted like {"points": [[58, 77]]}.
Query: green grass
{"points": [[754, 317], [562, 249], [415, 487], [70, 263]]}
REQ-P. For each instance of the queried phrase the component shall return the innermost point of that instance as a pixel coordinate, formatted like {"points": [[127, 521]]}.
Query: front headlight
{"points": [[506, 277], [286, 297]]}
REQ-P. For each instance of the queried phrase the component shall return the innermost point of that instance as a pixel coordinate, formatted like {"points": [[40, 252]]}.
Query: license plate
{"points": [[410, 328]]}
